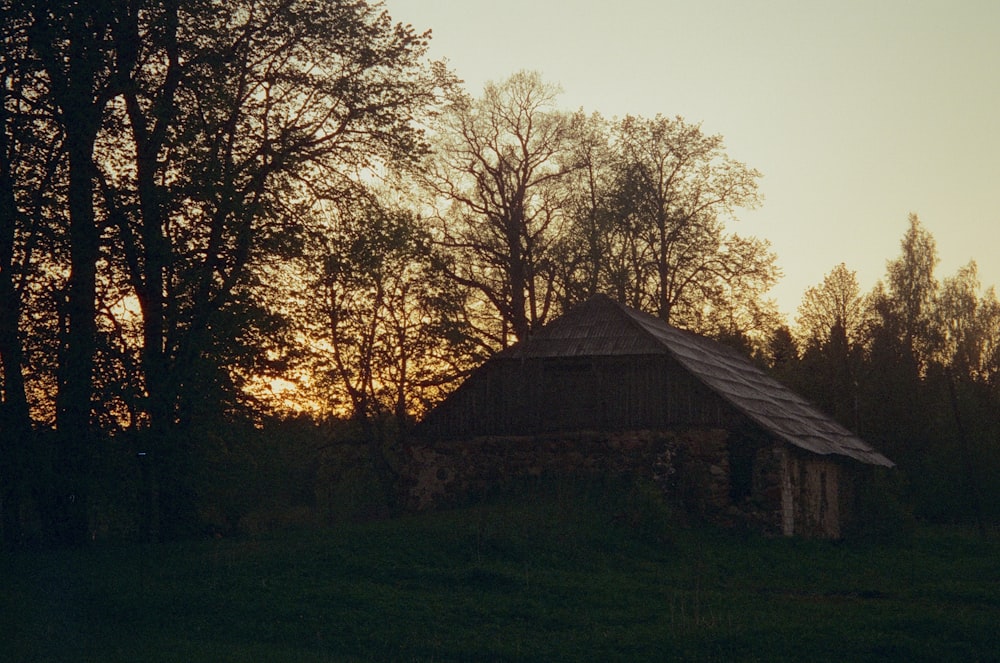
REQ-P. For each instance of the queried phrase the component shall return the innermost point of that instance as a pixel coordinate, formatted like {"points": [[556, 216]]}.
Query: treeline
{"points": [[255, 239], [914, 367]]}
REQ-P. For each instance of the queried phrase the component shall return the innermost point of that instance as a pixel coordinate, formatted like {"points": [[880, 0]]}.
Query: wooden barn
{"points": [[606, 388]]}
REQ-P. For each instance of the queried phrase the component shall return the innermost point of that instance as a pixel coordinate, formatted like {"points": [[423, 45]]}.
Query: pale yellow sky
{"points": [[857, 112]]}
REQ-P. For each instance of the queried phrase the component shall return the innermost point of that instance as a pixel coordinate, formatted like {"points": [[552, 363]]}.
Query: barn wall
{"points": [[531, 396], [814, 503], [691, 466]]}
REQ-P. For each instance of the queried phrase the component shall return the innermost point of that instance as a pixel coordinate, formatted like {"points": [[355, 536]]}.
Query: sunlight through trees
{"points": [[201, 199]]}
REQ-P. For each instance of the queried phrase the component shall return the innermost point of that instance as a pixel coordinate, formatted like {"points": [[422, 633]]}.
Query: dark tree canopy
{"points": [[184, 139]]}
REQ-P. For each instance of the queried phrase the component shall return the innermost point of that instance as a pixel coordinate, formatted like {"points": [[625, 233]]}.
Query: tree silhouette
{"points": [[498, 170]]}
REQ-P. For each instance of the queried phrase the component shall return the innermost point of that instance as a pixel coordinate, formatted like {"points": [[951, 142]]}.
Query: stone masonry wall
{"points": [[690, 467]]}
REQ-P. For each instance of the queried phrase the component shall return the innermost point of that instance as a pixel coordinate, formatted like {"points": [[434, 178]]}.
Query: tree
{"points": [[187, 136], [969, 327], [71, 42], [382, 318], [585, 250], [16, 73], [671, 189], [783, 351], [834, 305], [911, 366], [912, 288], [237, 119], [382, 340], [831, 323], [968, 322], [497, 169], [902, 338]]}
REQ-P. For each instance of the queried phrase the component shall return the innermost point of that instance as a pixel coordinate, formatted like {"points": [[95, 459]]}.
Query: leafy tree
{"points": [[383, 319], [185, 136], [968, 326], [835, 304], [14, 413], [634, 208], [925, 394], [783, 351], [585, 254], [831, 325], [901, 338], [908, 306], [908, 366], [380, 324], [22, 160], [234, 116], [71, 43], [968, 323], [238, 118]]}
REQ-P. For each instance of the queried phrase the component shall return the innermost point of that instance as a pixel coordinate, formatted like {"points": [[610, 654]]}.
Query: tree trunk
{"points": [[72, 51], [15, 418], [76, 366], [518, 277]]}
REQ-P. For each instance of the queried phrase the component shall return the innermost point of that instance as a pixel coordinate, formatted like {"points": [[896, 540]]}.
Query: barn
{"points": [[608, 389]]}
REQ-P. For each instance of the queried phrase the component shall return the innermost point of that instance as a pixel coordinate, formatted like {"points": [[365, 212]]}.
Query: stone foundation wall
{"points": [[690, 467], [765, 510]]}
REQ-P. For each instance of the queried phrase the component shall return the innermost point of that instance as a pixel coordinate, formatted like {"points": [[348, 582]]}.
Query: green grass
{"points": [[564, 572]]}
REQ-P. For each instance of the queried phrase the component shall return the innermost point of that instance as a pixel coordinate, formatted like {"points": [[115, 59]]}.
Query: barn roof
{"points": [[603, 327]]}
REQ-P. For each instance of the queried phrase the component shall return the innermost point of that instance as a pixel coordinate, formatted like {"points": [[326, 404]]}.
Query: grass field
{"points": [[554, 573]]}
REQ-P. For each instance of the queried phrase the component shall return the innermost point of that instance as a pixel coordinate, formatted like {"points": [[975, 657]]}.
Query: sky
{"points": [[857, 112]]}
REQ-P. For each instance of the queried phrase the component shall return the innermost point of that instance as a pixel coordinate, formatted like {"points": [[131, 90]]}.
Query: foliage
{"points": [[173, 144], [541, 208], [672, 187], [836, 306], [214, 215], [385, 323], [912, 367]]}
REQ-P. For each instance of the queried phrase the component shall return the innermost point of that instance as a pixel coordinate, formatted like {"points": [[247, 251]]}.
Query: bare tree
{"points": [[673, 188], [497, 173]]}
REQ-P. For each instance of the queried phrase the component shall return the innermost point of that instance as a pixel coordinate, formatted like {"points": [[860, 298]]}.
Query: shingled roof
{"points": [[603, 327]]}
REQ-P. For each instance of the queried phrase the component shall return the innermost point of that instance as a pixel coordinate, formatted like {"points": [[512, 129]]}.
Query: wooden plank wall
{"points": [[518, 397]]}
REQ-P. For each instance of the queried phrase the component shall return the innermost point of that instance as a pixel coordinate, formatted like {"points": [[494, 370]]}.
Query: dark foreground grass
{"points": [[560, 573]]}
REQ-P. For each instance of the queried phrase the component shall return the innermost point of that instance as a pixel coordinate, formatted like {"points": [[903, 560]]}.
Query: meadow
{"points": [[560, 572]]}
